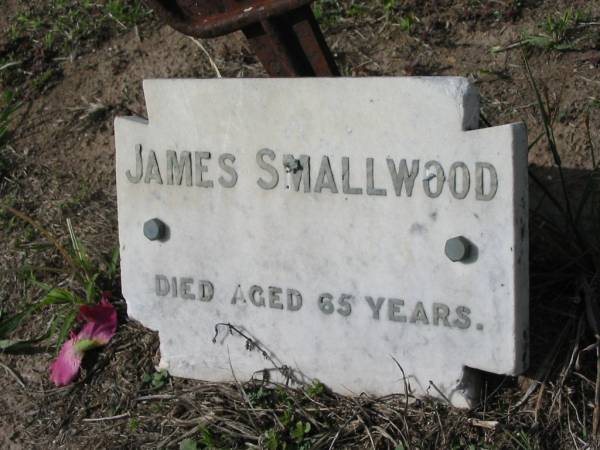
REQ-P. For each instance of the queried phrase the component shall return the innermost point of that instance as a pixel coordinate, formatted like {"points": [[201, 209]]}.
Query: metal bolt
{"points": [[457, 248], [154, 229]]}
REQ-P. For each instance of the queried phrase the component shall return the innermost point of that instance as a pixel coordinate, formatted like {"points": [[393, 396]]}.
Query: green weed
{"points": [[79, 198], [327, 12], [300, 431], [316, 389], [43, 34], [157, 379], [522, 441], [61, 305], [408, 23], [357, 10], [561, 32], [126, 14], [188, 444], [133, 424], [46, 78], [560, 27], [392, 13], [389, 6], [277, 440], [65, 25], [8, 106], [206, 440], [260, 396]]}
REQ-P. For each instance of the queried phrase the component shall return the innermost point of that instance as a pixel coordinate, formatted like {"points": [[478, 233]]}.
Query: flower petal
{"points": [[65, 367], [100, 327], [97, 313], [101, 322]]}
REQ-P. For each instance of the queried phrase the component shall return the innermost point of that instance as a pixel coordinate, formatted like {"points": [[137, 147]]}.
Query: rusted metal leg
{"points": [[292, 45], [284, 34], [313, 42], [276, 50]]}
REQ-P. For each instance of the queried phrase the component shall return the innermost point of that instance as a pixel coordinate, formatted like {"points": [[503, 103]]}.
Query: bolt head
{"points": [[457, 248], [154, 229]]}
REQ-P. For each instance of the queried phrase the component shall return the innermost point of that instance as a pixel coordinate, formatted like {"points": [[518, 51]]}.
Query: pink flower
{"points": [[100, 325]]}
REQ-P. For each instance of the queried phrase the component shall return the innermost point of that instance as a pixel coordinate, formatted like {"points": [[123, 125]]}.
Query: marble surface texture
{"points": [[287, 215]]}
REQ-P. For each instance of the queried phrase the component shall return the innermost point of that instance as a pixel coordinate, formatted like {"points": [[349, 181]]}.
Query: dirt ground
{"points": [[57, 163]]}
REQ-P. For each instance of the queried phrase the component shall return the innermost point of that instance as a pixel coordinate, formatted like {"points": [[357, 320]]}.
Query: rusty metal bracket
{"points": [[284, 34]]}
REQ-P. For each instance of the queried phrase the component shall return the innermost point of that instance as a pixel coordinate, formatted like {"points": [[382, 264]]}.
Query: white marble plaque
{"points": [[313, 215]]}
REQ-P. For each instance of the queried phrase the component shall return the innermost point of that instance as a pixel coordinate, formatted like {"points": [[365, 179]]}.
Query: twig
{"points": [[367, 429], [42, 231], [389, 421], [9, 64], [74, 241], [596, 415], [337, 435], [546, 191], [155, 397], [500, 49], [187, 434], [212, 63], [102, 419], [547, 123], [573, 358], [14, 375], [251, 344], [121, 24], [432, 384], [405, 386], [487, 424], [590, 140], [386, 435], [538, 403], [241, 388], [545, 367]]}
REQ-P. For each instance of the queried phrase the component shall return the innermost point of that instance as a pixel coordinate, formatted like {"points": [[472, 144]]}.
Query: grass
{"points": [[8, 106], [42, 36], [87, 280], [66, 27], [333, 12], [575, 239], [330, 12], [567, 31]]}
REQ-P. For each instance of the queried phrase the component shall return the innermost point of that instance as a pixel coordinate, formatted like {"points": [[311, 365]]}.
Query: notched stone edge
{"points": [[126, 122], [458, 90], [521, 246], [466, 394], [124, 126], [464, 93], [151, 88], [470, 107]]}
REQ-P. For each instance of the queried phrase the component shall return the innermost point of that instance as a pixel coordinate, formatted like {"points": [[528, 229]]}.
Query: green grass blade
{"points": [[66, 328]]}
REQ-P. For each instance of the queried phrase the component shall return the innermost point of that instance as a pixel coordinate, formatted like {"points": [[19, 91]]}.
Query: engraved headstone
{"points": [[359, 230]]}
